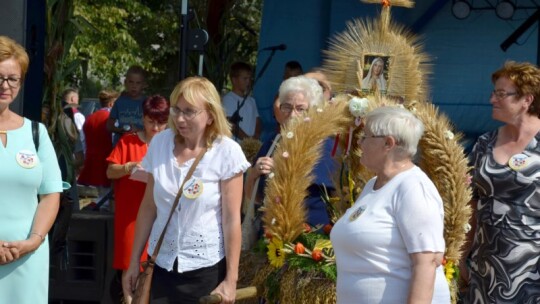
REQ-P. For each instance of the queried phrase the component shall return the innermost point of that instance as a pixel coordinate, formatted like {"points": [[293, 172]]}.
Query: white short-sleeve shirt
{"points": [[195, 234], [248, 111], [372, 248]]}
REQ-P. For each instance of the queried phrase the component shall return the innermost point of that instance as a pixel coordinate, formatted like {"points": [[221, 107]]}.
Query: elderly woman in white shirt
{"points": [[201, 249], [389, 245]]}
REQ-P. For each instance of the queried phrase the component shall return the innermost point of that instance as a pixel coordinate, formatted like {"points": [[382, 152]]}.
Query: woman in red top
{"points": [[98, 145], [129, 190]]}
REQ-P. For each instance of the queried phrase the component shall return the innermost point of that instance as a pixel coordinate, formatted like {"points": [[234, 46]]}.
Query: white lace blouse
{"points": [[195, 234]]}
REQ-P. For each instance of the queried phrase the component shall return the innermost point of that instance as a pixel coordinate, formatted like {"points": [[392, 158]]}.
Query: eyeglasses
{"points": [[188, 115], [287, 109], [11, 81], [364, 136], [502, 94]]}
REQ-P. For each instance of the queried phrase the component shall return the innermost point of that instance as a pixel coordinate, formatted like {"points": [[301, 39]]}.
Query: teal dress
{"points": [[22, 177]]}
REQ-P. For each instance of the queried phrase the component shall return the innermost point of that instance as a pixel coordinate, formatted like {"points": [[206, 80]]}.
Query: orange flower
{"points": [[299, 248], [267, 234], [316, 255], [327, 228]]}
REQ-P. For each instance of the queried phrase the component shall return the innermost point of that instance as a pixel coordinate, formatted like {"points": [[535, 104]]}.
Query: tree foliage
{"points": [[91, 43], [114, 34], [236, 38], [118, 33]]}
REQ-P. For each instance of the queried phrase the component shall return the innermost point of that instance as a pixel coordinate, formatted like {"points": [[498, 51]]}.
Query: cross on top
{"points": [[388, 3]]}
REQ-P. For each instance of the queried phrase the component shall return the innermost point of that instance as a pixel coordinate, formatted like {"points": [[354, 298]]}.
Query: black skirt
{"points": [[187, 287]]}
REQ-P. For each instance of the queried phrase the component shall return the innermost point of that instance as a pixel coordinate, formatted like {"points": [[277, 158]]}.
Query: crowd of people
{"points": [[176, 170]]}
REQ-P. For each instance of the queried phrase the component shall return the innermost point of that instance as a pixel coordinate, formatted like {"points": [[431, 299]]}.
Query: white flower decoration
{"points": [[467, 227], [448, 134], [358, 106], [271, 175], [290, 135], [285, 154], [307, 119], [273, 221], [319, 110]]}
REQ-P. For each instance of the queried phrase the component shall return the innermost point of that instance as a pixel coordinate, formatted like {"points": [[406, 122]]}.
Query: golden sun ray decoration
{"points": [[406, 66]]}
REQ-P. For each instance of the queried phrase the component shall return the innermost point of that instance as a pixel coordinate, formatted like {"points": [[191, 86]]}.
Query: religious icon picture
{"points": [[375, 69]]}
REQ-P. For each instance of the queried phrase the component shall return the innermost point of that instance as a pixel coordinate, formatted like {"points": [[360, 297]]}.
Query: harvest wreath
{"points": [[301, 257], [300, 266]]}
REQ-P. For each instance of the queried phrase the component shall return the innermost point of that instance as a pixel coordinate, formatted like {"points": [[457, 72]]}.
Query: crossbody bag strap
{"points": [[176, 201]]}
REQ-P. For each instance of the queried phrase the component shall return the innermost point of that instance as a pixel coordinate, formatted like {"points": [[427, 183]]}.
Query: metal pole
{"points": [[201, 63], [520, 30], [183, 39]]}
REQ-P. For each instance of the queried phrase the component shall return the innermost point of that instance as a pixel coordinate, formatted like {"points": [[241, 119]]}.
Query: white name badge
{"points": [[519, 162], [193, 188], [27, 159]]}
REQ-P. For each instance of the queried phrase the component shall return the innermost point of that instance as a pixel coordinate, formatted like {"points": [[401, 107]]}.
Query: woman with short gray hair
{"points": [[389, 245], [308, 88], [404, 127], [296, 96]]}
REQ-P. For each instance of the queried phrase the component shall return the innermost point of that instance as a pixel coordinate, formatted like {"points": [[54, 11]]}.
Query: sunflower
{"points": [[276, 255], [449, 271]]}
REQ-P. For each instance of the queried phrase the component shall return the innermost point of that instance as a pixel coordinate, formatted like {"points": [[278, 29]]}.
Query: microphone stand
{"points": [[236, 118]]}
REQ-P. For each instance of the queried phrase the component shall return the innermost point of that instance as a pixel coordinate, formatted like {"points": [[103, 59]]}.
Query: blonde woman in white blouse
{"points": [[201, 249]]}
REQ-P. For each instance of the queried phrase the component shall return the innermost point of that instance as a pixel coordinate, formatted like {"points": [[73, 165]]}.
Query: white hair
{"points": [[398, 123], [309, 87]]}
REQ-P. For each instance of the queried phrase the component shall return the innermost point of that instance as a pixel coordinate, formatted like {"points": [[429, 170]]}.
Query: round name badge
{"points": [[519, 162], [193, 188], [27, 159]]}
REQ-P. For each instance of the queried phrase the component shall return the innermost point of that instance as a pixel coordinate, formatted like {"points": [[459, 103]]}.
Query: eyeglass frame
{"points": [[364, 136], [289, 111], [177, 112], [8, 79], [501, 94]]}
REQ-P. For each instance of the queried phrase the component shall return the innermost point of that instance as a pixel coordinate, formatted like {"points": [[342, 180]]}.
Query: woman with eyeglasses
{"points": [[124, 162], [296, 96], [389, 245], [504, 256], [26, 171], [200, 251]]}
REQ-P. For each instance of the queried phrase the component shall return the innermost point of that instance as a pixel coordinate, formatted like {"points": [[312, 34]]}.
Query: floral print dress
{"points": [[504, 263]]}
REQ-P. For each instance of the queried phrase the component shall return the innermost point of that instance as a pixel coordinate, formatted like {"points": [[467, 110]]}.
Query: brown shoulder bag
{"points": [[144, 280]]}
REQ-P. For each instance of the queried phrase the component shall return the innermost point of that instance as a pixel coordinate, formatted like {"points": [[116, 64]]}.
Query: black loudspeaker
{"points": [[84, 272], [24, 21]]}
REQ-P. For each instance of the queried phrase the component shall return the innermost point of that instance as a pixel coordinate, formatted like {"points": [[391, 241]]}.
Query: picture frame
{"points": [[375, 68]]}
